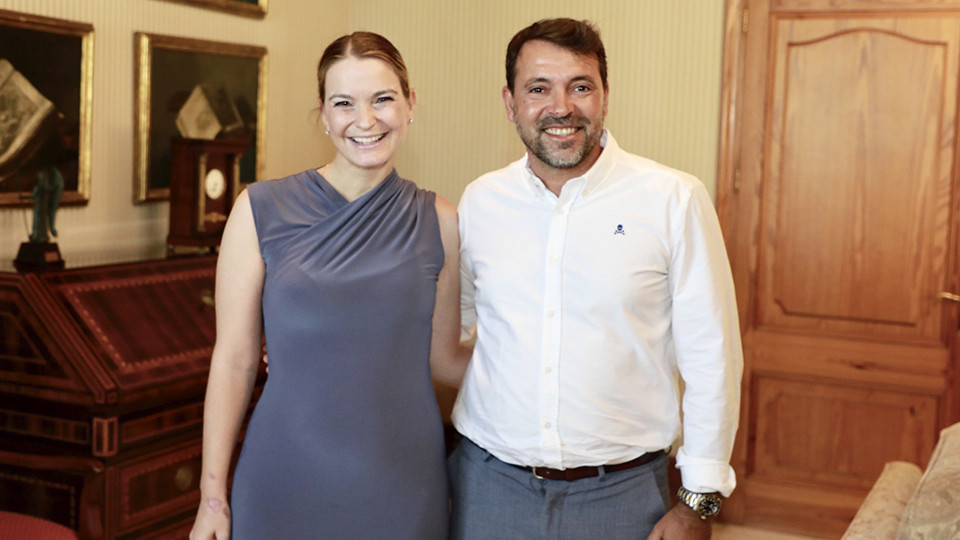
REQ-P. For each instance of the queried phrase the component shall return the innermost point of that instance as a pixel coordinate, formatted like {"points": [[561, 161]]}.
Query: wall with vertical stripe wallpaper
{"points": [[664, 71]]}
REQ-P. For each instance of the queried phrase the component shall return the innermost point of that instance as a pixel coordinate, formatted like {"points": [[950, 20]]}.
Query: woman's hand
{"points": [[213, 520], [233, 365]]}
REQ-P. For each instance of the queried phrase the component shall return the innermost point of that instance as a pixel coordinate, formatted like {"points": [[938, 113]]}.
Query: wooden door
{"points": [[837, 195]]}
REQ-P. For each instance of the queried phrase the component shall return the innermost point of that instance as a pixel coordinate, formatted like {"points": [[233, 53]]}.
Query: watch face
{"points": [[214, 184], [709, 505]]}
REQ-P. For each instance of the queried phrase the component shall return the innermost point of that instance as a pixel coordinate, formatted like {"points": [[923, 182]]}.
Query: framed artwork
{"points": [[173, 76], [46, 74], [247, 8]]}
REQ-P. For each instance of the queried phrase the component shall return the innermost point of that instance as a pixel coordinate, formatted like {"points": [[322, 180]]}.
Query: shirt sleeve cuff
{"points": [[705, 476]]}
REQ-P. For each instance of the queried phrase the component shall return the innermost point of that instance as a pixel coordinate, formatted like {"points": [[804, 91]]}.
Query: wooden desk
{"points": [[102, 377]]}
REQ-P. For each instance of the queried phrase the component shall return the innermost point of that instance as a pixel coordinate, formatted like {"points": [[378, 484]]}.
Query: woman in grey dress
{"points": [[352, 272]]}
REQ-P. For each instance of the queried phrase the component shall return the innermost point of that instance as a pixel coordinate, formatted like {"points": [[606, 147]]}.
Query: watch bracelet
{"points": [[694, 500]]}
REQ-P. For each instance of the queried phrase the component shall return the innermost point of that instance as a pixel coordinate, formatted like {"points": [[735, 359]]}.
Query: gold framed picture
{"points": [[247, 8], [46, 78], [172, 74]]}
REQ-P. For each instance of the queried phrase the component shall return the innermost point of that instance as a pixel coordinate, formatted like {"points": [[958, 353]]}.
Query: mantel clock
{"points": [[204, 182]]}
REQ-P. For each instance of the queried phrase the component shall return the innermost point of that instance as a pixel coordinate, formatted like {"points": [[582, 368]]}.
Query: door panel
{"points": [[837, 201], [846, 418], [860, 145]]}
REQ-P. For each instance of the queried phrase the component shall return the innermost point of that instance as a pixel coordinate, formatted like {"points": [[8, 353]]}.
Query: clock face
{"points": [[215, 184]]}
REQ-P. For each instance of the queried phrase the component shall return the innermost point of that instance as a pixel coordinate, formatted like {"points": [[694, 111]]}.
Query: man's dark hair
{"points": [[580, 37]]}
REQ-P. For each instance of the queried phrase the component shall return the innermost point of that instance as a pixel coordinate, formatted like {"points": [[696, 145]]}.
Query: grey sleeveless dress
{"points": [[346, 440]]}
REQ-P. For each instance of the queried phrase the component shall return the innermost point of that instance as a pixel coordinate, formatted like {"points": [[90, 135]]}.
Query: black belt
{"points": [[577, 473]]}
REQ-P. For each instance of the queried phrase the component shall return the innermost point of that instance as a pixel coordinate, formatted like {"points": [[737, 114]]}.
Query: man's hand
{"points": [[681, 523]]}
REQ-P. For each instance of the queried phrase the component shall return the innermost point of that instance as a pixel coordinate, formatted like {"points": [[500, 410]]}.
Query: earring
{"points": [[326, 132], [411, 121]]}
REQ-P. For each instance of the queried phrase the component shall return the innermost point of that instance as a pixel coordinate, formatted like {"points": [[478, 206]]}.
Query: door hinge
{"points": [[736, 180], [745, 20]]}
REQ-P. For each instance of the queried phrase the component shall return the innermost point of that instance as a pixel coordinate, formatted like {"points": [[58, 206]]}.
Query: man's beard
{"points": [[535, 142]]}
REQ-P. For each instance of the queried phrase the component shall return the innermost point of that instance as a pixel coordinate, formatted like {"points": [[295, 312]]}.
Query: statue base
{"points": [[37, 257]]}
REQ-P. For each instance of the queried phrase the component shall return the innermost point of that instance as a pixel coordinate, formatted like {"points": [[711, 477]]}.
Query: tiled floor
{"points": [[723, 531]]}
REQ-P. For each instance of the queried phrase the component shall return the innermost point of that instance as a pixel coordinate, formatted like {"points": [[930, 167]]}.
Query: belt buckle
{"points": [[534, 470]]}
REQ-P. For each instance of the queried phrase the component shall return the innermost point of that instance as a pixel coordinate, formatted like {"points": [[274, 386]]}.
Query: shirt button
{"points": [[548, 369], [559, 211], [553, 260], [550, 313], [546, 426]]}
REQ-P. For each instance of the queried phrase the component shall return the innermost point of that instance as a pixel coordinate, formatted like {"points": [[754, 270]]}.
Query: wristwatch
{"points": [[705, 504]]}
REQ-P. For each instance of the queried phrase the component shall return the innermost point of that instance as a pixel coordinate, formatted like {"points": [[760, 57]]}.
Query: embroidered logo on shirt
{"points": [[620, 230]]}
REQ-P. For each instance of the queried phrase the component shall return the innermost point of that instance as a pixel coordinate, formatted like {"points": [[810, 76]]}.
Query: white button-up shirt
{"points": [[586, 307]]}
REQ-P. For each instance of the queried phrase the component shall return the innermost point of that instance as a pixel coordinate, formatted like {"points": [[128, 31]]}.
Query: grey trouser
{"points": [[493, 500]]}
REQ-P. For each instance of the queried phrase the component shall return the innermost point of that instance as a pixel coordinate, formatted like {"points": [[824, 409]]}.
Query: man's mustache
{"points": [[563, 121]]}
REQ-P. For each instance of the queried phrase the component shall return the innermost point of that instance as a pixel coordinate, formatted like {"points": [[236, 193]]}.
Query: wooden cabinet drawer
{"points": [[159, 486]]}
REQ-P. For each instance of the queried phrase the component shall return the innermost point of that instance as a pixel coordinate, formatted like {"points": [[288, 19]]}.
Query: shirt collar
{"points": [[593, 178]]}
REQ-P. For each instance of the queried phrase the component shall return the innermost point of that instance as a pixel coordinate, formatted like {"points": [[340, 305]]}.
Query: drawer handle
{"points": [[206, 296], [183, 478]]}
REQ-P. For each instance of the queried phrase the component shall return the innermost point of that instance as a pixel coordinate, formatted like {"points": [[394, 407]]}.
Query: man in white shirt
{"points": [[597, 281]]}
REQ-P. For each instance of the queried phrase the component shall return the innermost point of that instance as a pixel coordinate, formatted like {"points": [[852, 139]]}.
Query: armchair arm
{"points": [[879, 515]]}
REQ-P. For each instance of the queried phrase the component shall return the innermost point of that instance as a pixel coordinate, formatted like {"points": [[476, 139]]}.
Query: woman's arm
{"points": [[233, 366], [448, 357]]}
